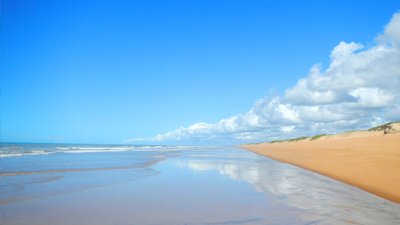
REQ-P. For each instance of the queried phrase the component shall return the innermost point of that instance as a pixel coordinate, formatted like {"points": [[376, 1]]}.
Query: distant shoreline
{"points": [[364, 159]]}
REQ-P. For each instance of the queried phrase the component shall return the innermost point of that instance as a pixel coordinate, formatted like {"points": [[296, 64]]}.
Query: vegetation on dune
{"points": [[377, 128], [289, 140], [347, 132], [317, 137], [381, 127], [297, 139], [277, 141]]}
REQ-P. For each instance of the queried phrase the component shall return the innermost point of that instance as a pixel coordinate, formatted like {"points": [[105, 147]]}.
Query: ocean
{"points": [[126, 184]]}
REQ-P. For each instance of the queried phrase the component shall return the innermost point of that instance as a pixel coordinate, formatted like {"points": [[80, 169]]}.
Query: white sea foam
{"points": [[95, 150], [66, 148], [27, 151], [11, 148], [151, 147], [24, 153]]}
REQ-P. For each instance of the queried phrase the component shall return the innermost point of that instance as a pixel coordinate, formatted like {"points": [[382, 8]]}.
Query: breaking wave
{"points": [[44, 149]]}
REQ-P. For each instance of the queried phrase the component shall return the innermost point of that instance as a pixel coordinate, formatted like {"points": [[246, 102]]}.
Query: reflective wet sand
{"points": [[198, 186]]}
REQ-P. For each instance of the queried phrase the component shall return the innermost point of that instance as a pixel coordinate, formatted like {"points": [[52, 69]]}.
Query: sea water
{"points": [[124, 184]]}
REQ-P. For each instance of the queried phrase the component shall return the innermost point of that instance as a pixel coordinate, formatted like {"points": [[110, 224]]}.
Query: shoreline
{"points": [[370, 163]]}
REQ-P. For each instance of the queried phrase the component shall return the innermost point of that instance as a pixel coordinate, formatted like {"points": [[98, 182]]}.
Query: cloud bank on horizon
{"points": [[360, 89]]}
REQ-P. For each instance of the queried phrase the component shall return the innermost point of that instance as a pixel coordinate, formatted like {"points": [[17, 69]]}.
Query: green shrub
{"points": [[381, 127]]}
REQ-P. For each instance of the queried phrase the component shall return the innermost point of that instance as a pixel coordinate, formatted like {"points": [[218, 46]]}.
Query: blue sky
{"points": [[109, 71]]}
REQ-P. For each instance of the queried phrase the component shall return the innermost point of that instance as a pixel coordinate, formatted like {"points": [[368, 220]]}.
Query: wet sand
{"points": [[369, 163]]}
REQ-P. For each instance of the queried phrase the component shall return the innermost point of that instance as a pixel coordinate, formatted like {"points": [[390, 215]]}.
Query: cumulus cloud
{"points": [[360, 88]]}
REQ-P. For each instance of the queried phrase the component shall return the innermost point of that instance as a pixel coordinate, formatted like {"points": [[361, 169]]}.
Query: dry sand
{"points": [[368, 160]]}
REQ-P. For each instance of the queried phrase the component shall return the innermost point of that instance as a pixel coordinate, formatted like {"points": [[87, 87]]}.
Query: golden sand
{"points": [[371, 163]]}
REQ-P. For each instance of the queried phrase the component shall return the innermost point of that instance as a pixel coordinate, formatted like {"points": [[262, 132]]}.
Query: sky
{"points": [[196, 72]]}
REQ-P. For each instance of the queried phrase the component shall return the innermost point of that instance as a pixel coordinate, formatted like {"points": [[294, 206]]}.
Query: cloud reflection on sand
{"points": [[323, 198]]}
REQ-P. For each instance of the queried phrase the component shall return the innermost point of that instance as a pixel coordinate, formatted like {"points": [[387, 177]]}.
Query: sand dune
{"points": [[396, 127], [368, 160], [353, 134]]}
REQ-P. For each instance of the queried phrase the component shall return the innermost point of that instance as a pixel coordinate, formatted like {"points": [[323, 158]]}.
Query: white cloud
{"points": [[372, 97], [360, 88], [287, 129], [136, 139], [392, 31]]}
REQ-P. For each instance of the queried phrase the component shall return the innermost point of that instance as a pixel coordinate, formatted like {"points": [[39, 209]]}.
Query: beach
{"points": [[368, 161], [116, 184]]}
